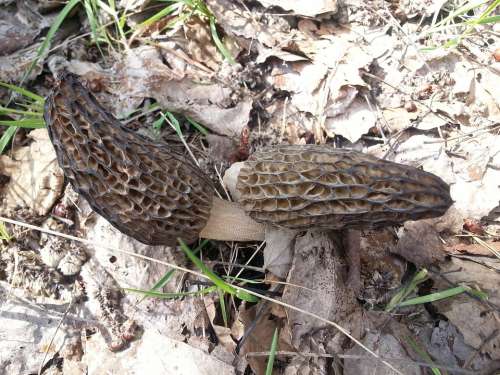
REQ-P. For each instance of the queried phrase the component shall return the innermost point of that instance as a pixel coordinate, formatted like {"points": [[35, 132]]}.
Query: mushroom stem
{"points": [[229, 222]]}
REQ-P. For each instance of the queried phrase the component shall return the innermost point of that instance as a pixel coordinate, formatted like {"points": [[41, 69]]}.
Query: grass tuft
{"points": [[462, 20], [27, 112], [220, 283], [399, 299], [181, 11]]}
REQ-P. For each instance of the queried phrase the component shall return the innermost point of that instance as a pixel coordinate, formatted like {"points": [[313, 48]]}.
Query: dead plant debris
{"points": [[415, 82]]}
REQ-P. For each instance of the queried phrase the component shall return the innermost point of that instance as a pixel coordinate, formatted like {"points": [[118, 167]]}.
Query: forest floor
{"points": [[416, 82]]}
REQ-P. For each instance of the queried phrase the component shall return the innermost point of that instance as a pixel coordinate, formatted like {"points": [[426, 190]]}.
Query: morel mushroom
{"points": [[154, 194]]}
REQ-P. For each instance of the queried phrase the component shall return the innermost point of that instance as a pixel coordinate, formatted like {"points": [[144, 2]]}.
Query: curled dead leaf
{"points": [[36, 181]]}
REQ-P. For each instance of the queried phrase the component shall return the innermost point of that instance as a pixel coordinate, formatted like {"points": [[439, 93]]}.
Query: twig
{"points": [[70, 305]]}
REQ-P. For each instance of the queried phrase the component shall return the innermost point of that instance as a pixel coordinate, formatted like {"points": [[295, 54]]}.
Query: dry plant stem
{"points": [[228, 222], [70, 305]]}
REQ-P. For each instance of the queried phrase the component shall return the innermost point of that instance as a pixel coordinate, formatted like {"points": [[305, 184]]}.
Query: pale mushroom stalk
{"points": [[229, 222], [154, 194]]}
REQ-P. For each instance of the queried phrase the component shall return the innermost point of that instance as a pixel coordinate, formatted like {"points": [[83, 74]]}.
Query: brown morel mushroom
{"points": [[150, 192]]}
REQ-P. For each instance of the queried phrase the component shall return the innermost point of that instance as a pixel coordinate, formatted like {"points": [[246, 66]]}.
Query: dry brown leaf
{"points": [[472, 249], [398, 119], [476, 321], [385, 337], [278, 250], [420, 244], [14, 66], [14, 33], [152, 354], [318, 284], [300, 7], [261, 336], [200, 46], [356, 121], [242, 22], [36, 181], [143, 74]]}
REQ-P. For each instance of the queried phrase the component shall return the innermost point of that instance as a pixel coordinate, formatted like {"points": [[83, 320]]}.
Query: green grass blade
{"points": [[417, 279], [422, 353], [52, 31], [166, 278], [223, 306], [6, 137], [162, 13], [485, 20], [243, 280], [93, 23], [441, 295], [26, 123], [222, 48], [272, 353], [23, 92], [490, 8], [197, 126], [175, 123], [12, 111], [213, 277], [36, 107], [158, 124], [4, 234], [457, 12]]}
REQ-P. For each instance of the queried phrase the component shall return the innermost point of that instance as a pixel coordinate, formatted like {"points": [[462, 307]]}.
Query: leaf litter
{"points": [[372, 77]]}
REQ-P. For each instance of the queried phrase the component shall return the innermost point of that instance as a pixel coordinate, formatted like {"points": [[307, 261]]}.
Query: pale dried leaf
{"points": [[477, 199], [487, 93], [129, 271], [398, 119], [153, 353], [303, 80], [356, 121], [244, 23], [34, 328], [278, 251], [423, 151], [36, 181], [299, 7], [14, 66], [386, 345], [419, 243], [318, 284], [475, 321], [429, 120]]}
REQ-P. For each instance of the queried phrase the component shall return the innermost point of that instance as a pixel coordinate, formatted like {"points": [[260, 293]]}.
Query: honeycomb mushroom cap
{"points": [[315, 186], [145, 189]]}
